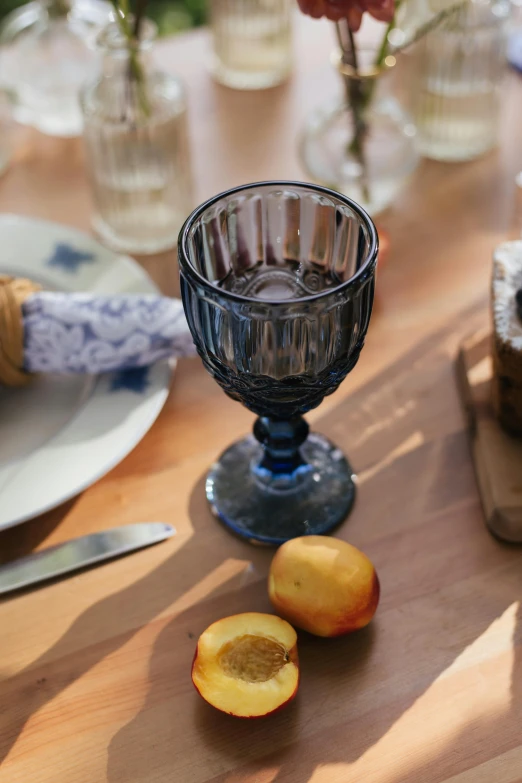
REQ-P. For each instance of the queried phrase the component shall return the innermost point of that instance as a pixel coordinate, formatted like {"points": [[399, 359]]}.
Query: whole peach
{"points": [[323, 585]]}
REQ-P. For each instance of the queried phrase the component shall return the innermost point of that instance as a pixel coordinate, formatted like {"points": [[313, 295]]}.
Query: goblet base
{"points": [[271, 509]]}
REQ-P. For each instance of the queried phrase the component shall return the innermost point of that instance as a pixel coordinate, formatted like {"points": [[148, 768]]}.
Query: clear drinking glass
{"points": [[252, 42], [277, 281], [47, 56], [461, 65], [137, 148]]}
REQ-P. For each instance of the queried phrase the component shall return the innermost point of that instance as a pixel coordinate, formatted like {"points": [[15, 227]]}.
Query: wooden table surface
{"points": [[96, 668]]}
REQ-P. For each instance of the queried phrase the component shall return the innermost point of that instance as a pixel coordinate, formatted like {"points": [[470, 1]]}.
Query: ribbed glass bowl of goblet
{"points": [[277, 280]]}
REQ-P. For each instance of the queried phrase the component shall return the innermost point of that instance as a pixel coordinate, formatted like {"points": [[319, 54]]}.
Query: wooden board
{"points": [[497, 456]]}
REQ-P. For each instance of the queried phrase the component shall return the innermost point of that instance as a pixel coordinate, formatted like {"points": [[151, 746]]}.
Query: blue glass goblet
{"points": [[277, 280]]}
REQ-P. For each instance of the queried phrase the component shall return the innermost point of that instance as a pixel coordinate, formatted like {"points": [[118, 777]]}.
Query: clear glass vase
{"points": [[460, 69], [252, 42], [371, 166], [47, 55], [137, 147]]}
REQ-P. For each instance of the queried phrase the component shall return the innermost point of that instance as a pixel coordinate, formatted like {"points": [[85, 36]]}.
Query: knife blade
{"points": [[79, 553]]}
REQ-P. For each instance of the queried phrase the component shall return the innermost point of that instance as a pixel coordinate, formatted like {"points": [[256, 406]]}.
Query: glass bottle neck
{"points": [[120, 53], [57, 8], [119, 63]]}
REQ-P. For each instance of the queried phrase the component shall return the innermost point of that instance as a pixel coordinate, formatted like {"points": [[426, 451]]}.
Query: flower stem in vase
{"points": [[136, 68], [356, 101], [130, 28], [452, 11]]}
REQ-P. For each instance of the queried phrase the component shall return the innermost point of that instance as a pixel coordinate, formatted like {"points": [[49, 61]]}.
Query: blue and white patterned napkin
{"points": [[88, 333]]}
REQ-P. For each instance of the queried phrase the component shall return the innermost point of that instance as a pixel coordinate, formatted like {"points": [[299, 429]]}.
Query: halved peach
{"points": [[246, 665]]}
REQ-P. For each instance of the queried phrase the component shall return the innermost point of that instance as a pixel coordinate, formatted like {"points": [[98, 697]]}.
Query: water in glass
{"points": [[252, 42], [461, 66]]}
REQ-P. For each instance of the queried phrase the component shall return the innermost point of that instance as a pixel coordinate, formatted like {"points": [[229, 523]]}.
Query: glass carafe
{"points": [[47, 56]]}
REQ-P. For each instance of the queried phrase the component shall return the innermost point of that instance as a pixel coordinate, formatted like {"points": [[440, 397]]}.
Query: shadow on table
{"points": [[479, 741], [336, 673], [74, 654], [23, 539]]}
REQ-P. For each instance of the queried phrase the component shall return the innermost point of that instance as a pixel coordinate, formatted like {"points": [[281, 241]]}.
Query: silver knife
{"points": [[80, 552]]}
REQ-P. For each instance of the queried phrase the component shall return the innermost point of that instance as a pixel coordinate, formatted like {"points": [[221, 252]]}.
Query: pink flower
{"points": [[352, 10]]}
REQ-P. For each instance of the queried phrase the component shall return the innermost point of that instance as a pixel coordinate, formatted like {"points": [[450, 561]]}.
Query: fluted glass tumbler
{"points": [[252, 42], [277, 280]]}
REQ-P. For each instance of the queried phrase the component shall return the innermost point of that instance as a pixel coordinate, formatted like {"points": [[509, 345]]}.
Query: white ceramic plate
{"points": [[60, 434]]}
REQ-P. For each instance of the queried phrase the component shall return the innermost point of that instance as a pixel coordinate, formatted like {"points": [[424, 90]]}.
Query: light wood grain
{"points": [[497, 455], [96, 685]]}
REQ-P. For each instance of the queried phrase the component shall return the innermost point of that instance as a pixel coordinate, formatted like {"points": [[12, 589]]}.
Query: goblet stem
{"points": [[281, 440]]}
